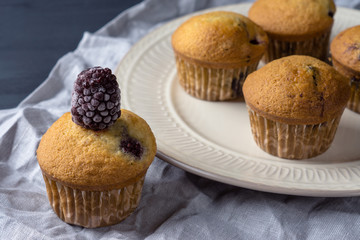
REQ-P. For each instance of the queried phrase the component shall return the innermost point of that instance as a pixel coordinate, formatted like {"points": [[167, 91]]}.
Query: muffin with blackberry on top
{"points": [[94, 159]]}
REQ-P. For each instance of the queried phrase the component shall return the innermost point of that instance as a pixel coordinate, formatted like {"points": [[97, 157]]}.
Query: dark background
{"points": [[34, 34]]}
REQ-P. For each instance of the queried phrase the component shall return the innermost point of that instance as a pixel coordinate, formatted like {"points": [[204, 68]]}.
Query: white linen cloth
{"points": [[174, 204]]}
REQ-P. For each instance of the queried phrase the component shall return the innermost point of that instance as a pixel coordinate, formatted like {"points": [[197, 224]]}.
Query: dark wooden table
{"points": [[34, 34]]}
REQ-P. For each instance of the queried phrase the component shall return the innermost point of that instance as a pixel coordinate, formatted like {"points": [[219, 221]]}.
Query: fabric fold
{"points": [[174, 204]]}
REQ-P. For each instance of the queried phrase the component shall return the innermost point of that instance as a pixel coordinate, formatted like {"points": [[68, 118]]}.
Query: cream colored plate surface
{"points": [[213, 139]]}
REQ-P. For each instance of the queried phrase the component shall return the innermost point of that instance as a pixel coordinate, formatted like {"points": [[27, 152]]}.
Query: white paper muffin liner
{"points": [[316, 47], [292, 141], [212, 84], [93, 209], [354, 100]]}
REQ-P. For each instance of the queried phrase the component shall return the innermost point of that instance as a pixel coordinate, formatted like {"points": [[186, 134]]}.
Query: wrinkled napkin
{"points": [[174, 204]]}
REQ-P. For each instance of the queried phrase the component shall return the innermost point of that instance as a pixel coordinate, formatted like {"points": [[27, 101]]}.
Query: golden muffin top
{"points": [[345, 48], [293, 19], [97, 160], [220, 39], [297, 90]]}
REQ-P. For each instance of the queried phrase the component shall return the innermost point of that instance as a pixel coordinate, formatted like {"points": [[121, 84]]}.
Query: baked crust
{"points": [[219, 39], [92, 160], [297, 90], [345, 49], [293, 20]]}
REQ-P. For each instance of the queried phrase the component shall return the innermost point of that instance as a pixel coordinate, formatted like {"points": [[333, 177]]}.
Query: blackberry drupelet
{"points": [[95, 100]]}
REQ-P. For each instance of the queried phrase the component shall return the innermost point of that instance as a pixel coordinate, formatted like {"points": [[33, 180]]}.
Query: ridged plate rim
{"points": [[145, 90]]}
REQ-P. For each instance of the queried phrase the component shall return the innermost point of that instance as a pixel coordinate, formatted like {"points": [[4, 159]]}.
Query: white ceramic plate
{"points": [[213, 139]]}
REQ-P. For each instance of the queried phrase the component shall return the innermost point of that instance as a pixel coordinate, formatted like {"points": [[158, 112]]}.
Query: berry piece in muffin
{"points": [[132, 146]]}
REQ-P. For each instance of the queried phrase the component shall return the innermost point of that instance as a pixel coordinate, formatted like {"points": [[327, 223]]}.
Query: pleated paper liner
{"points": [[354, 101], [212, 84], [292, 141], [93, 209], [316, 47]]}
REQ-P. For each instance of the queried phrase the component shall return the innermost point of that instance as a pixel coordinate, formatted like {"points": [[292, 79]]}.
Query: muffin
{"points": [[345, 54], [93, 176], [214, 53], [295, 104], [295, 27]]}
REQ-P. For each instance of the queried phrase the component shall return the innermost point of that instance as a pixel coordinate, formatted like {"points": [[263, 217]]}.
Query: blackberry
{"points": [[131, 145], [95, 100]]}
